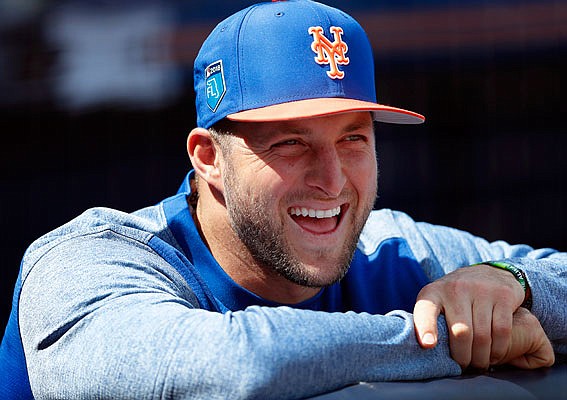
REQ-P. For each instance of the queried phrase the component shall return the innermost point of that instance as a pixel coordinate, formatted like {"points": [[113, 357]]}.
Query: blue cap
{"points": [[285, 60]]}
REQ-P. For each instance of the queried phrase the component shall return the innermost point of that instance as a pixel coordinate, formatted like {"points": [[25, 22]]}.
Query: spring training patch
{"points": [[214, 81]]}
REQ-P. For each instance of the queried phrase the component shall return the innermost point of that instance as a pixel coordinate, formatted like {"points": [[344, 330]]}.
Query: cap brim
{"points": [[311, 108]]}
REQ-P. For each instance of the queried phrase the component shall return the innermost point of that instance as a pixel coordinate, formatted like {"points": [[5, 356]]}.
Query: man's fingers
{"points": [[501, 333], [543, 358], [425, 314], [529, 346], [459, 321], [482, 316]]}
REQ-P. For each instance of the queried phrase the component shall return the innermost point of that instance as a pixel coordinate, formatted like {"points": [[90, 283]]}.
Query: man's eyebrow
{"points": [[357, 125], [290, 129]]}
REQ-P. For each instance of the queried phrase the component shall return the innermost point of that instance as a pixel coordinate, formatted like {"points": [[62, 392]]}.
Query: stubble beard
{"points": [[265, 239]]}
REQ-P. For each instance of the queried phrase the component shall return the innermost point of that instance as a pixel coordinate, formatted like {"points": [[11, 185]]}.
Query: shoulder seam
{"points": [[92, 231]]}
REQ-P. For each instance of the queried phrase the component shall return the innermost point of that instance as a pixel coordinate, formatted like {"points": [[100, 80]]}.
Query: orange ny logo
{"points": [[332, 53]]}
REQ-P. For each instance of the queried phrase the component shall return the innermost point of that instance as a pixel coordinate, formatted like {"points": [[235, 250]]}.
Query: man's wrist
{"points": [[520, 277]]}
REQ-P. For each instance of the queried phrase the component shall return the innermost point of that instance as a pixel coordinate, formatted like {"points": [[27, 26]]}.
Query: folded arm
{"points": [[107, 327], [479, 301]]}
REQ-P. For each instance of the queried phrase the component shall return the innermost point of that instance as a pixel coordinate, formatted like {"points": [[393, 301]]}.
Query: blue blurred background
{"points": [[96, 101]]}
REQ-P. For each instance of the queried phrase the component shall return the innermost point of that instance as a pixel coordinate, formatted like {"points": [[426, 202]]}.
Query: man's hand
{"points": [[478, 303], [529, 347]]}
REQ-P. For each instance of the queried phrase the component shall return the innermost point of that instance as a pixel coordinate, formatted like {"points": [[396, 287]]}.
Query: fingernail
{"points": [[428, 338]]}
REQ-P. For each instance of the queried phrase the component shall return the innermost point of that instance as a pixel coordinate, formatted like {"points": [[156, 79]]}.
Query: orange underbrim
{"points": [[312, 108]]}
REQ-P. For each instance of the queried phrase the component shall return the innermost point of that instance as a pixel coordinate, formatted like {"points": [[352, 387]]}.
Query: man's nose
{"points": [[325, 172]]}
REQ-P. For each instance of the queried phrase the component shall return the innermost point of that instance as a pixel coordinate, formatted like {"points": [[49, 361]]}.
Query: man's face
{"points": [[298, 193]]}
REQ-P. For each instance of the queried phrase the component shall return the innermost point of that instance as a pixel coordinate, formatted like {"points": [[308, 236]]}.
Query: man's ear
{"points": [[204, 155]]}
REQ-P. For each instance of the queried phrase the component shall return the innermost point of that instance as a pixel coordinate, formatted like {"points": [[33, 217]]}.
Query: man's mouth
{"points": [[317, 221], [312, 213]]}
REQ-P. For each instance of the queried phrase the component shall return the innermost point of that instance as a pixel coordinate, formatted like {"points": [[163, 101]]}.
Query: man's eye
{"points": [[290, 142], [355, 138]]}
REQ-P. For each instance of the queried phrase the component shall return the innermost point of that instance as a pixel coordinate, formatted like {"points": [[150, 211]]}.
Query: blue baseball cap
{"points": [[285, 60]]}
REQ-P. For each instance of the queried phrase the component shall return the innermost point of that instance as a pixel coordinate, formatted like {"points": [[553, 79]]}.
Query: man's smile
{"points": [[317, 221], [313, 213]]}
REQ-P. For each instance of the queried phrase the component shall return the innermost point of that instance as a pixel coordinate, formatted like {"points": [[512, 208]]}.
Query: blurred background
{"points": [[96, 101]]}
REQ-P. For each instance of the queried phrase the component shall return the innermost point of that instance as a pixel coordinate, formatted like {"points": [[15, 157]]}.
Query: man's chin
{"points": [[316, 276]]}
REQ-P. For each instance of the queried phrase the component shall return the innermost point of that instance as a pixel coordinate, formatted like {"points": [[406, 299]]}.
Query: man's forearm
{"points": [[257, 353]]}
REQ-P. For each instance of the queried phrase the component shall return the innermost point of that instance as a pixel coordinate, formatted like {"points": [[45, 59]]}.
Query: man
{"points": [[268, 275]]}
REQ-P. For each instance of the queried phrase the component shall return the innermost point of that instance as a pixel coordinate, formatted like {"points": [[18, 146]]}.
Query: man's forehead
{"points": [[346, 122]]}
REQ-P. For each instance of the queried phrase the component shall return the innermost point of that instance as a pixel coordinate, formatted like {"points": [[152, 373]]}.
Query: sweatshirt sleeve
{"points": [[97, 325], [441, 249]]}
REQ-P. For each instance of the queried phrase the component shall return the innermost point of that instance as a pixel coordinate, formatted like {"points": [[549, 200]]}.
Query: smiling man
{"points": [[268, 275], [295, 197]]}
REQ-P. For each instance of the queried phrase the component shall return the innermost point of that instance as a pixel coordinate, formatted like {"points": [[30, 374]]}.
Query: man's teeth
{"points": [[310, 212]]}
